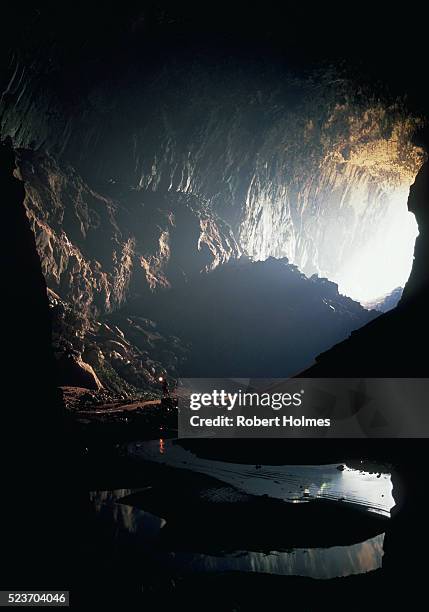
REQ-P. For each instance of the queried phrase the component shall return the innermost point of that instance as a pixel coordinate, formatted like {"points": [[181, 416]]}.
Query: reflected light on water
{"points": [[128, 525], [126, 522], [286, 482], [319, 563]]}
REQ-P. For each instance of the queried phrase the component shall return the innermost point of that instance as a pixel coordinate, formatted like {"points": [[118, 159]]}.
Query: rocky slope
{"points": [[116, 356], [257, 319], [98, 251]]}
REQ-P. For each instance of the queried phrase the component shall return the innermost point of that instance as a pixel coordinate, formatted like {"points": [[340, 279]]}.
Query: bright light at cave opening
{"points": [[385, 261], [355, 230], [368, 259]]}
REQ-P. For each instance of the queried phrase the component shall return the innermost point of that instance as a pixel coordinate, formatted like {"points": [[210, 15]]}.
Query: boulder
{"points": [[74, 372]]}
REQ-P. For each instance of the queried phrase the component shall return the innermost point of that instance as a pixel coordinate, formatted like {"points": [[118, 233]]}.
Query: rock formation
{"points": [[254, 319], [95, 249], [293, 163], [311, 170]]}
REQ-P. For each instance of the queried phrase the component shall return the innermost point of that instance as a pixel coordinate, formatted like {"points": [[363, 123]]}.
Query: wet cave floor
{"points": [[183, 525]]}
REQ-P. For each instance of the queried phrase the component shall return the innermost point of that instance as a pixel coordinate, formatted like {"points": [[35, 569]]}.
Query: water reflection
{"points": [[125, 522], [322, 563], [288, 483], [130, 526]]}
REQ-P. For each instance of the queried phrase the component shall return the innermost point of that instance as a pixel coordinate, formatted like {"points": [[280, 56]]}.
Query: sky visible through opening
{"points": [[366, 269], [386, 260]]}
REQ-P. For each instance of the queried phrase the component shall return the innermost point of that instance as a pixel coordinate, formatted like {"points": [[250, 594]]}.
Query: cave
{"points": [[188, 198], [135, 207]]}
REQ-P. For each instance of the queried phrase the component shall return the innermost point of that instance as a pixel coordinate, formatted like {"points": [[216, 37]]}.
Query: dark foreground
{"points": [[161, 536]]}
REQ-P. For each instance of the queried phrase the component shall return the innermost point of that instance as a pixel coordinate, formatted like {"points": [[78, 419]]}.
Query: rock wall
{"points": [[96, 250], [139, 178], [339, 196], [292, 164]]}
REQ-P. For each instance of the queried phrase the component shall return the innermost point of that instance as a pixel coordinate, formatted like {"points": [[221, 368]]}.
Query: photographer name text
{"points": [[255, 421]]}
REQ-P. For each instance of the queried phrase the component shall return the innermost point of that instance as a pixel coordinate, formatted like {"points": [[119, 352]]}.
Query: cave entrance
{"points": [[376, 267], [348, 223]]}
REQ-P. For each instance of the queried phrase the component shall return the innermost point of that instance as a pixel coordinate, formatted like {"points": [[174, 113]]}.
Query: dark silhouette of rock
{"points": [[254, 319], [393, 345], [38, 495], [396, 345]]}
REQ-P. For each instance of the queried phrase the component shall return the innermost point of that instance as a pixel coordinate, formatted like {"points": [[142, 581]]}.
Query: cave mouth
{"points": [[384, 263], [368, 270], [352, 227]]}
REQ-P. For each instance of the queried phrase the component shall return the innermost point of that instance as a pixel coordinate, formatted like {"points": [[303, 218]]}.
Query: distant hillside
{"points": [[385, 302]]}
